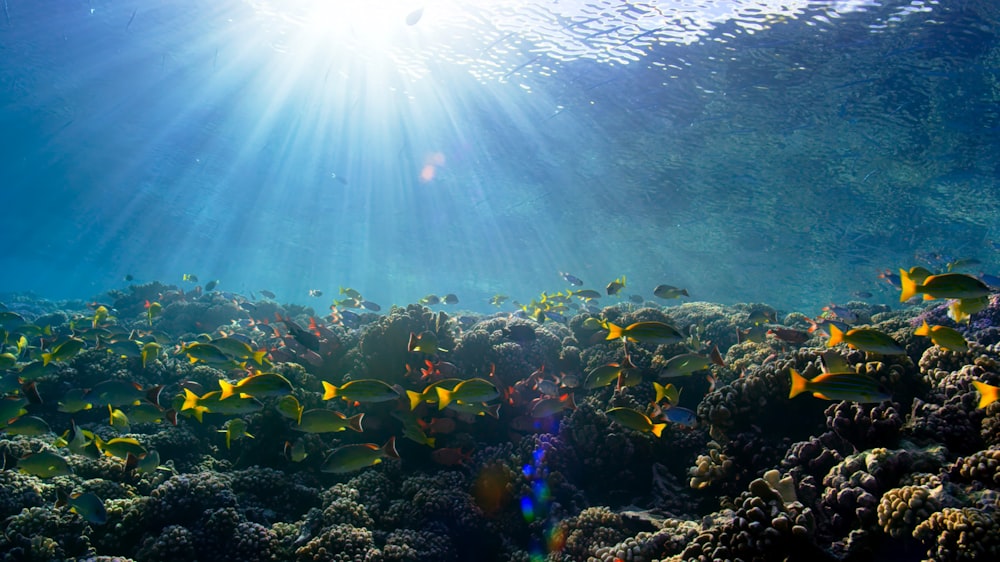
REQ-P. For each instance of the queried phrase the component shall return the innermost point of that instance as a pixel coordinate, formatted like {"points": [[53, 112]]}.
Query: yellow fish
{"points": [[634, 419], [943, 336], [652, 332], [853, 387], [616, 286], [350, 458], [865, 339], [361, 390], [942, 286]]}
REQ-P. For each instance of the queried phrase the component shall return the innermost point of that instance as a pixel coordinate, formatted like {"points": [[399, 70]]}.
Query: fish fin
{"points": [[30, 391], [227, 389], [153, 395], [444, 397], [798, 384], [131, 461], [661, 391], [354, 422], [836, 336], [614, 331], [658, 428], [390, 448], [988, 394], [61, 498], [190, 400], [329, 391], [716, 356], [494, 411], [569, 402], [414, 397], [908, 286]]}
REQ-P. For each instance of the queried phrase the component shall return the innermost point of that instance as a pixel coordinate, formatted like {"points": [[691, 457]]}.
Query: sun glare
{"points": [[376, 25]]}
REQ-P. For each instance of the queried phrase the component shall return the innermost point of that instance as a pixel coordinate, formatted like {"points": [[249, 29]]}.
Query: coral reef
{"points": [[756, 476]]}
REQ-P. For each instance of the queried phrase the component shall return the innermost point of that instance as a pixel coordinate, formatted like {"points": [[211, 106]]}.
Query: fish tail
{"points": [[354, 422], [988, 394], [390, 448], [798, 384], [658, 428], [430, 442], [46, 359], [259, 356], [661, 391], [414, 397], [190, 400], [924, 330], [614, 331], [494, 411], [329, 391], [227, 389], [836, 336], [909, 286], [111, 416], [444, 397], [716, 356], [153, 395], [569, 403]]}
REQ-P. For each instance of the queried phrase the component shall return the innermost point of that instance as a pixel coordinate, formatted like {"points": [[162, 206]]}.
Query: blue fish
{"points": [[571, 279], [680, 416]]}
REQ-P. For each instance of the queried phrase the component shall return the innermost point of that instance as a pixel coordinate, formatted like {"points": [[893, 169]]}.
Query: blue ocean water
{"points": [[784, 152]]}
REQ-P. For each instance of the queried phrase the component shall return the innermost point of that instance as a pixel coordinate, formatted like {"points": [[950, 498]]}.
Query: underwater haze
{"points": [[499, 281], [781, 152]]}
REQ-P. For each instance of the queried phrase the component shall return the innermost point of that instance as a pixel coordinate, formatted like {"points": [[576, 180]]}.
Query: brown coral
{"points": [[901, 509]]}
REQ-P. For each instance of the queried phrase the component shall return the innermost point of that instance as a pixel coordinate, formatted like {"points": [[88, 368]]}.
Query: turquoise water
{"points": [[784, 158]]}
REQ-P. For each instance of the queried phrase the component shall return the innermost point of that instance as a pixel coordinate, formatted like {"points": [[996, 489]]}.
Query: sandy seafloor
{"points": [[759, 476]]}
